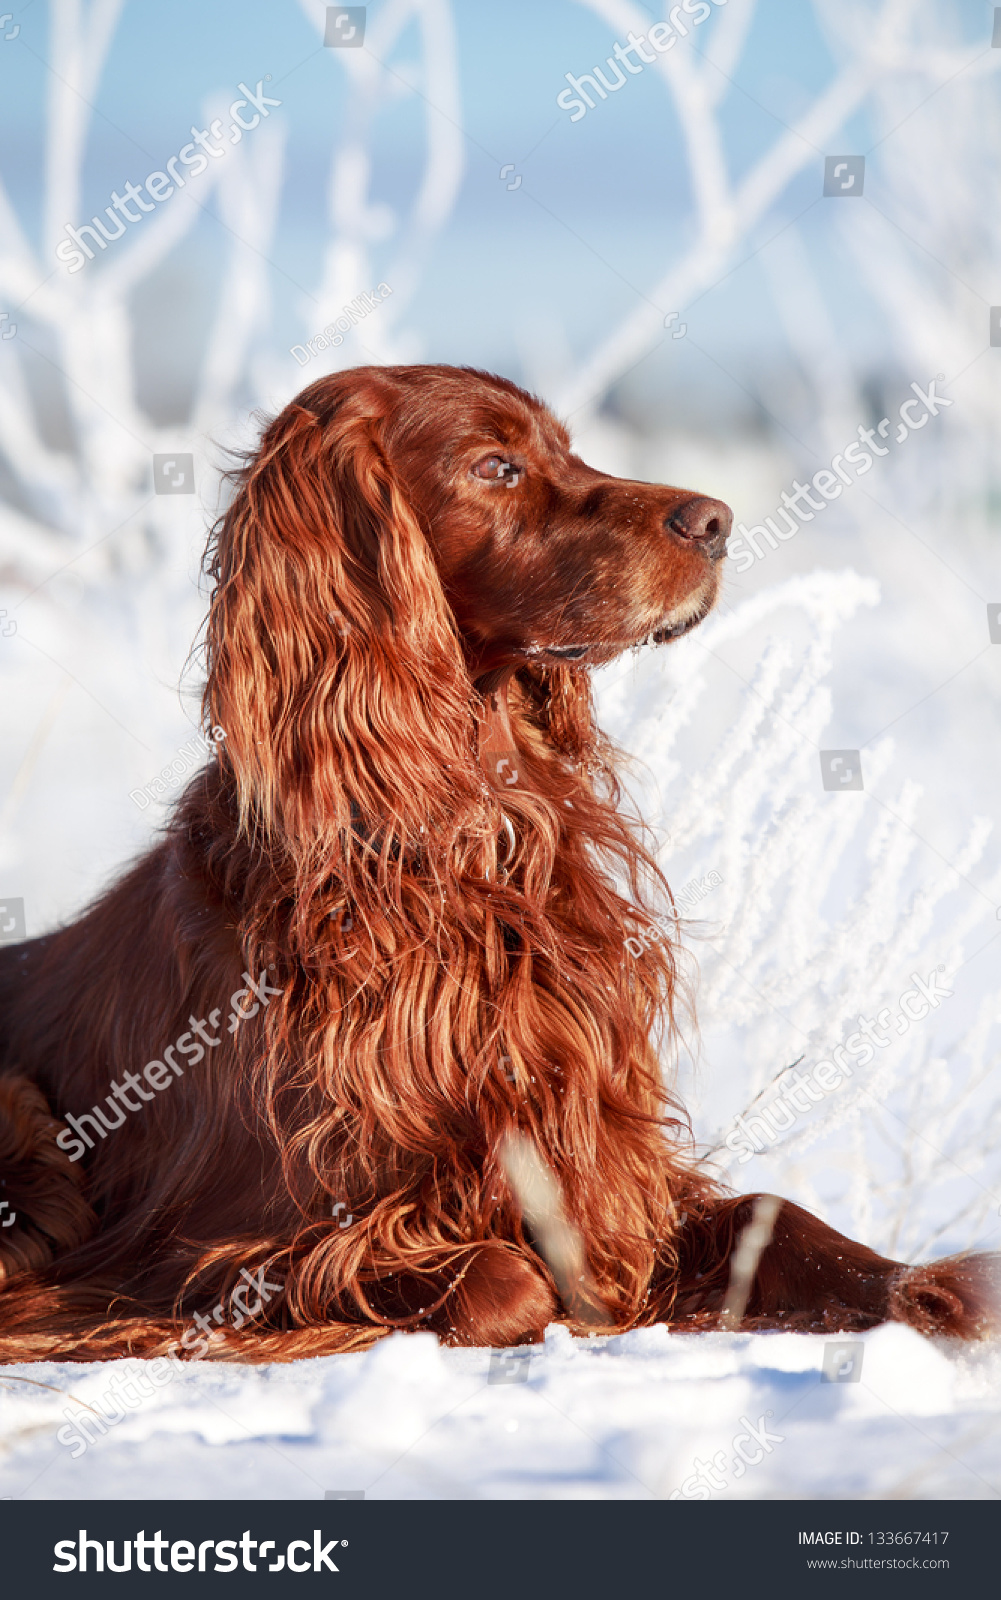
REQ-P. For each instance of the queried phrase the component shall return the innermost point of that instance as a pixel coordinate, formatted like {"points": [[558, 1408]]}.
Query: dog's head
{"points": [[539, 554], [401, 534]]}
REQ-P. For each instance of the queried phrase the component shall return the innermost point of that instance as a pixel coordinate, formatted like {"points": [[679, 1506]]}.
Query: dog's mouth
{"points": [[677, 630], [660, 635], [563, 652]]}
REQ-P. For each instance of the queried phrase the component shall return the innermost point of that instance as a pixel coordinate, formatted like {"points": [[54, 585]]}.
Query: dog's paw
{"points": [[502, 1297], [43, 1211], [959, 1296]]}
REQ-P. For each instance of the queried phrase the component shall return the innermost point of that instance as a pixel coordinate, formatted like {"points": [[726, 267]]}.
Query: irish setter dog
{"points": [[262, 1088]]}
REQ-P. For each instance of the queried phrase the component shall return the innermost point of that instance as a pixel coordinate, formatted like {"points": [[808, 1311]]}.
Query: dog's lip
{"points": [[567, 652], [662, 634], [675, 630], [666, 631]]}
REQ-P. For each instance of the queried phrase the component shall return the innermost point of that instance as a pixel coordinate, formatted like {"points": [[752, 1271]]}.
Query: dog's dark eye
{"points": [[496, 467]]}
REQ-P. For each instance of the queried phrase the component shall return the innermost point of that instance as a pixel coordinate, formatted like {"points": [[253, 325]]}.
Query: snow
{"points": [[607, 1418]]}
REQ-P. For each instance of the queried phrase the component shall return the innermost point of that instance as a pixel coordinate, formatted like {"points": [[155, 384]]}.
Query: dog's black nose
{"points": [[703, 520]]}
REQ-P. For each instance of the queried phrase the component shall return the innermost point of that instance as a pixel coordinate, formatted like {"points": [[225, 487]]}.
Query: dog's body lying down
{"points": [[264, 1086]]}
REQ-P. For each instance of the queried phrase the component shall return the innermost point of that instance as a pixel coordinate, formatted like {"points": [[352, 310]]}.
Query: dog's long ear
{"points": [[334, 666]]}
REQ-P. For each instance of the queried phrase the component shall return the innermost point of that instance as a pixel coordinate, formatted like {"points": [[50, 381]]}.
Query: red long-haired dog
{"points": [[263, 1086]]}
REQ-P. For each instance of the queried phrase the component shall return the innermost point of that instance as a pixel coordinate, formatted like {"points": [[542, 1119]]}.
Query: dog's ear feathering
{"points": [[334, 664]]}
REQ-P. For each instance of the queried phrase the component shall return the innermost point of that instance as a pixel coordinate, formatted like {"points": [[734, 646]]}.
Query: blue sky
{"points": [[602, 209]]}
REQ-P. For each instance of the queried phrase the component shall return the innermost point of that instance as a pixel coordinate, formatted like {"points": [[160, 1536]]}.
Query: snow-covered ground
{"points": [[629, 1417]]}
